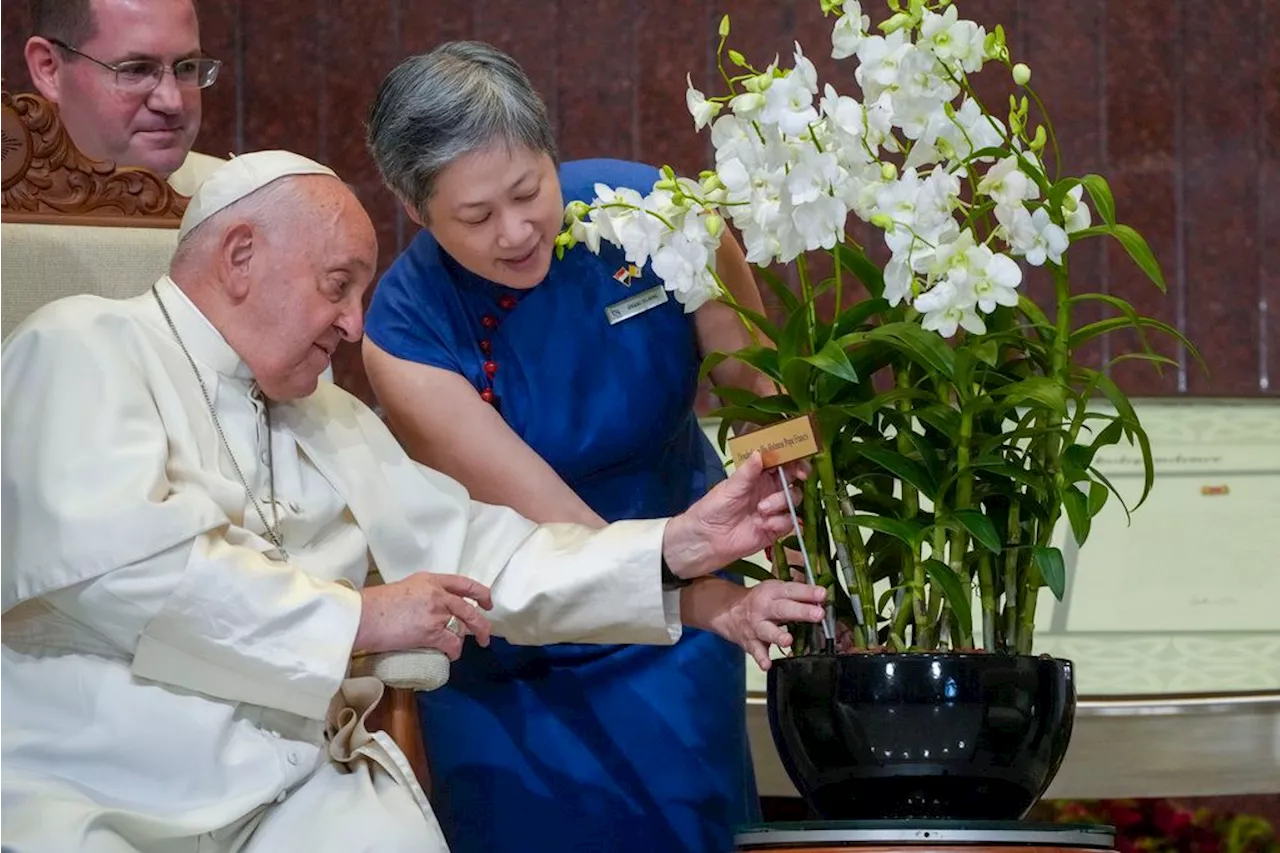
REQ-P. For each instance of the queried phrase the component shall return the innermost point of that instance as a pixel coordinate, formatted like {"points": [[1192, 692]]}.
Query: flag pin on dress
{"points": [[624, 275]]}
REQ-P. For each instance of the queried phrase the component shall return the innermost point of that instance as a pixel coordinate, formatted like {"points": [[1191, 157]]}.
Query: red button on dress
{"points": [[489, 321], [507, 302], [491, 367], [486, 347], [487, 395]]}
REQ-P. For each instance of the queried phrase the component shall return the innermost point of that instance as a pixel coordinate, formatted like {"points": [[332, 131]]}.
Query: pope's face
{"points": [[152, 129], [309, 278], [497, 212]]}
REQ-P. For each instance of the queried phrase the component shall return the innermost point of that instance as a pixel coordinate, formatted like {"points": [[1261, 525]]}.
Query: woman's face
{"points": [[497, 212]]}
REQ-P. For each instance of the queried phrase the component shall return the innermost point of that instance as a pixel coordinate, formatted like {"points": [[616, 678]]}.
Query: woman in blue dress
{"points": [[565, 389]]}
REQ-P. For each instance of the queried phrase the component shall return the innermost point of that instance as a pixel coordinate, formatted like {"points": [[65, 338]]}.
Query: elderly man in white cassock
{"points": [[189, 520]]}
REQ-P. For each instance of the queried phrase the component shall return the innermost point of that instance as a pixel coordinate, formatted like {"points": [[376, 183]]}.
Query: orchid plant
{"points": [[952, 410]]}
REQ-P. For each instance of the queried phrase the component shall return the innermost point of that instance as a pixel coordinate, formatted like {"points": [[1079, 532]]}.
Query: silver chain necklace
{"points": [[272, 529]]}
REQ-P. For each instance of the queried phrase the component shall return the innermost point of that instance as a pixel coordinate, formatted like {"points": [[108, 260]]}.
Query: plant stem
{"points": [[901, 618], [851, 553], [914, 572], [1011, 576], [806, 295], [959, 538], [818, 559], [1052, 456], [835, 260], [926, 625], [986, 589]]}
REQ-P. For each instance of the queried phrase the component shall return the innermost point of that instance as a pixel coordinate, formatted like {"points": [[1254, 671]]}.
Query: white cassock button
{"points": [[263, 456], [282, 796], [293, 758], [294, 507]]}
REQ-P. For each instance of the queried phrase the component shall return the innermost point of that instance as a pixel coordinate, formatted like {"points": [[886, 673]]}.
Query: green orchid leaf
{"points": [[776, 404], [856, 316], [763, 359], [1099, 477], [908, 532], [789, 301], [795, 377], [954, 590], [747, 569], [794, 338], [1038, 390], [924, 348], [1077, 506], [1033, 312], [857, 262], [1098, 494], [901, 467], [1052, 568], [1133, 429], [1103, 201], [761, 322], [980, 528], [835, 361], [1138, 249]]}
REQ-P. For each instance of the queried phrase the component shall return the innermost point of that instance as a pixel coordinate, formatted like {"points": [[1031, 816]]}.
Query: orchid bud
{"points": [[711, 182], [737, 59], [888, 171], [759, 83], [714, 224], [1069, 204], [1021, 74], [994, 46], [1038, 141], [565, 240], [748, 103], [895, 23], [724, 27], [882, 221], [577, 209], [829, 6]]}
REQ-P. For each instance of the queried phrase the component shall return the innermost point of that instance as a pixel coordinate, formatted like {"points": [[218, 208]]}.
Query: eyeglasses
{"points": [[142, 76]]}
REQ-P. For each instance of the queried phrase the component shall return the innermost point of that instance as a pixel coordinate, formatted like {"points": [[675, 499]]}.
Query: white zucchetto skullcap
{"points": [[241, 176]]}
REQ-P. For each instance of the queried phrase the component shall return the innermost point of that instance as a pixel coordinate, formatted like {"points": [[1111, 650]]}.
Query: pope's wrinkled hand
{"points": [[737, 518], [423, 611]]}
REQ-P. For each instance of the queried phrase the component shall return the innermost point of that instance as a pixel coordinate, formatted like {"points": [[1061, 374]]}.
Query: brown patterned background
{"points": [[1176, 102]]}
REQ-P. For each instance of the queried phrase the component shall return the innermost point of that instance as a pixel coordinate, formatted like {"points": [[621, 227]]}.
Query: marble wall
{"points": [[1176, 102]]}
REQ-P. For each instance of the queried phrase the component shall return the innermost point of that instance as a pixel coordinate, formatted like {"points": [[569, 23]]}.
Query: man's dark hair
{"points": [[70, 21]]}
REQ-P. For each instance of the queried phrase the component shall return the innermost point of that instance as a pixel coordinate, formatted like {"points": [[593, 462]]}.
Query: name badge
{"points": [[638, 304]]}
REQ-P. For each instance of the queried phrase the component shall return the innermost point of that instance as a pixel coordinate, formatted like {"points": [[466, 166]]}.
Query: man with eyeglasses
{"points": [[126, 76]]}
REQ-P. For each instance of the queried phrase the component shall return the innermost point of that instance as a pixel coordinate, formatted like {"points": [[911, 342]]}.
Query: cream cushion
{"points": [[41, 263]]}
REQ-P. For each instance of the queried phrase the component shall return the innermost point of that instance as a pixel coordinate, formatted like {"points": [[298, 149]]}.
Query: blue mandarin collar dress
{"points": [[579, 747]]}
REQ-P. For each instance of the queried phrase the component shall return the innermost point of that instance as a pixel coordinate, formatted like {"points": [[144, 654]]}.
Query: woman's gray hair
{"points": [[433, 108]]}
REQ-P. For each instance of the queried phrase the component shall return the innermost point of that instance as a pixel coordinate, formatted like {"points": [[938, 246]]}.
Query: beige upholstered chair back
{"points": [[41, 263], [73, 225]]}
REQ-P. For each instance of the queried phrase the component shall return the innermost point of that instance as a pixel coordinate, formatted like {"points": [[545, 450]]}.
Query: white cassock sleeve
{"points": [[550, 583], [572, 584], [93, 525]]}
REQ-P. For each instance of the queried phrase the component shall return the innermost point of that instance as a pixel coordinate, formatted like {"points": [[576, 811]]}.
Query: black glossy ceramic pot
{"points": [[890, 736]]}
